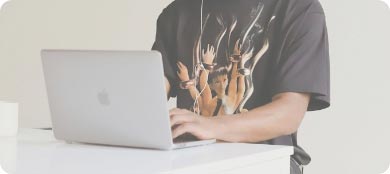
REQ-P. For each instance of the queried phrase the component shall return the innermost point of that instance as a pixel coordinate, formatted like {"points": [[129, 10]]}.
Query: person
{"points": [[222, 103], [245, 70]]}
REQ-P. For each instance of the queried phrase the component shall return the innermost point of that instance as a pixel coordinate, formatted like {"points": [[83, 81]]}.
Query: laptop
{"points": [[110, 98]]}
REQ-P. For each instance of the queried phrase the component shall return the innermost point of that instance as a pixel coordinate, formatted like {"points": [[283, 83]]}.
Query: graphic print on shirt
{"points": [[221, 79]]}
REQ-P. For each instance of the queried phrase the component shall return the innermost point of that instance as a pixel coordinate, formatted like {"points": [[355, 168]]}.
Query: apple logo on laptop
{"points": [[104, 98]]}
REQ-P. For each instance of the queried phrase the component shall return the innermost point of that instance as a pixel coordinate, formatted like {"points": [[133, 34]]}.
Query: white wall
{"points": [[350, 137], [28, 26], [353, 136]]}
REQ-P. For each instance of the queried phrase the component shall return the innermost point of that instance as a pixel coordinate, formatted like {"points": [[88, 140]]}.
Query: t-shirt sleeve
{"points": [[165, 44], [303, 65]]}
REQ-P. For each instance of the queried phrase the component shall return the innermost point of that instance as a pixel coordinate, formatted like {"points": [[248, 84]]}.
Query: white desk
{"points": [[38, 152]]}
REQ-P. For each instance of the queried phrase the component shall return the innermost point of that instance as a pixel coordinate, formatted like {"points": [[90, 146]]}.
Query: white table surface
{"points": [[36, 151]]}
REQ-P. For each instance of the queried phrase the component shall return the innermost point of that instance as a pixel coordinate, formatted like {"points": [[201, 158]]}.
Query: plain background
{"points": [[350, 137]]}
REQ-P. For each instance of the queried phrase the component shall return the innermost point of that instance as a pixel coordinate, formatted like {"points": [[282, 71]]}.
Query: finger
{"points": [[180, 64], [180, 112], [184, 128], [181, 119], [176, 111], [173, 109]]}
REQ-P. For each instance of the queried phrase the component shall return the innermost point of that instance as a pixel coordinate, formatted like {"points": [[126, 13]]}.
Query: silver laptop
{"points": [[109, 97]]}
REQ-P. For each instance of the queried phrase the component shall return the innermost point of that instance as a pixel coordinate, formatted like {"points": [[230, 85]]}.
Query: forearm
{"points": [[204, 75], [240, 90], [206, 94], [233, 81], [193, 92], [280, 117]]}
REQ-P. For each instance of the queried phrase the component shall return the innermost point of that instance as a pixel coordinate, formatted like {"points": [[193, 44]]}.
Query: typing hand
{"points": [[184, 121]]}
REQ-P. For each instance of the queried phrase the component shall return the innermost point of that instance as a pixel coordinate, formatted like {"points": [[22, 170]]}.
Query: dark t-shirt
{"points": [[246, 52]]}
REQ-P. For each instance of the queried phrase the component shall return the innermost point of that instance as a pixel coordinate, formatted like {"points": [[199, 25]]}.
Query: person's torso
{"points": [[229, 25], [244, 36]]}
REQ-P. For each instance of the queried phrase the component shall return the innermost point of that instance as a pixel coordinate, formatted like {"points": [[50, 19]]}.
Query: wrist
{"points": [[235, 58], [221, 127], [209, 66], [186, 84]]}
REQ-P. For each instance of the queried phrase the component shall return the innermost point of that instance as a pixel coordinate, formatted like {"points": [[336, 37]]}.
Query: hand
{"points": [[202, 127], [183, 72], [237, 48], [209, 55]]}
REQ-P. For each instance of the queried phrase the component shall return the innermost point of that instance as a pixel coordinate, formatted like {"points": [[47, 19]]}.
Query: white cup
{"points": [[9, 118]]}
